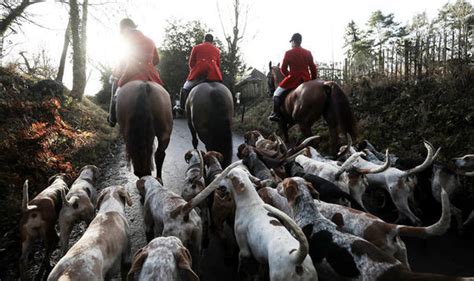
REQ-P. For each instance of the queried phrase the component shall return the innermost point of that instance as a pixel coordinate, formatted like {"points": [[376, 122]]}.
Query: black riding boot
{"points": [[276, 114], [112, 118], [183, 97]]}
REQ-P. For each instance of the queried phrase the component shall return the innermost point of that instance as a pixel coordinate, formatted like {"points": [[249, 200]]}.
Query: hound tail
{"points": [[24, 204], [141, 134], [439, 228], [300, 254]]}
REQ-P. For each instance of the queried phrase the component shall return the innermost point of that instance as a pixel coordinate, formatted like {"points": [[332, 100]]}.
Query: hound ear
{"points": [[219, 157], [247, 136], [278, 65], [137, 264], [242, 151], [141, 187], [184, 261], [159, 180], [314, 193], [199, 185], [290, 188], [270, 65], [101, 197], [338, 219], [238, 185], [125, 196], [187, 156], [53, 178]]}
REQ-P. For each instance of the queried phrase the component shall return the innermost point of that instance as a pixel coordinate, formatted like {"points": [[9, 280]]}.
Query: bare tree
{"points": [[12, 12], [78, 31], [62, 61], [232, 55], [37, 64]]}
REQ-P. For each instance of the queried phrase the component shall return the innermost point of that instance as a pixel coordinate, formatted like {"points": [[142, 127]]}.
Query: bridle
{"points": [[271, 81]]}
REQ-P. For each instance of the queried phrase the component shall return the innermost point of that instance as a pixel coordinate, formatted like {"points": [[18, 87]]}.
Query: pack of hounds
{"points": [[293, 214]]}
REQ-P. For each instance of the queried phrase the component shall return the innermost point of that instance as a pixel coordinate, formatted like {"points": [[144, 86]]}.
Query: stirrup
{"points": [[274, 117], [111, 123]]}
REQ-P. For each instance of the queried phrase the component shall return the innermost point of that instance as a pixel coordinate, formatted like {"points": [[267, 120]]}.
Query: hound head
{"points": [[296, 188], [117, 193], [251, 137], [77, 207], [58, 177], [192, 156], [162, 249], [236, 182], [212, 157], [89, 171], [465, 163]]}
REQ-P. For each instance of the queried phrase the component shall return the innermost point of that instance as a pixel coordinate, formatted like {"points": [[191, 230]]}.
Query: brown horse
{"points": [[143, 112], [305, 105], [209, 110]]}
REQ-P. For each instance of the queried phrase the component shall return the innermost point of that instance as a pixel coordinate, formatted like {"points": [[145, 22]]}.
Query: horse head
{"points": [[274, 77]]}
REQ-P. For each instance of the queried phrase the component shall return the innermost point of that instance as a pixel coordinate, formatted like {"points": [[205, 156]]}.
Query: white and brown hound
{"points": [[385, 236], [105, 245], [164, 258], [338, 255], [164, 216], [261, 236], [38, 219], [79, 204]]}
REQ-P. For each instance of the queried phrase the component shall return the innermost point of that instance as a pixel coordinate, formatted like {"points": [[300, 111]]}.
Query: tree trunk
{"points": [[445, 54], [407, 62], [62, 61], [78, 55], [452, 45], [1, 48]]}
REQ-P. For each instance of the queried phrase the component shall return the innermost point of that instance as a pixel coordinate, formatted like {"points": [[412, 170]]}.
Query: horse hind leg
{"points": [[284, 130], [330, 117], [163, 142], [193, 134], [305, 130]]}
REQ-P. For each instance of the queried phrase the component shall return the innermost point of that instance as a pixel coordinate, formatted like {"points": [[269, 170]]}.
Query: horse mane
{"points": [[140, 134]]}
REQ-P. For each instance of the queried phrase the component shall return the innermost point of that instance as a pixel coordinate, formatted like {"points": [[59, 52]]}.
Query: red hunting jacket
{"points": [[140, 63], [205, 63], [299, 60]]}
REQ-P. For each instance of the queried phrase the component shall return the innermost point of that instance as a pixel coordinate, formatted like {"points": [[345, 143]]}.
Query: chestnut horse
{"points": [[143, 112], [305, 105], [209, 110]]}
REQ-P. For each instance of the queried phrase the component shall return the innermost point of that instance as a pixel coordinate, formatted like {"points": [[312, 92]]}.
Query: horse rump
{"points": [[339, 103], [220, 128]]}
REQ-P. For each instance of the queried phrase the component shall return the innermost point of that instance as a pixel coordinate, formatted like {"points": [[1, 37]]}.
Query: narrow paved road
{"points": [[118, 173]]}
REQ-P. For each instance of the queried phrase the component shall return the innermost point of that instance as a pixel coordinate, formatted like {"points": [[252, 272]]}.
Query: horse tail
{"points": [[340, 104], [141, 134], [220, 127]]}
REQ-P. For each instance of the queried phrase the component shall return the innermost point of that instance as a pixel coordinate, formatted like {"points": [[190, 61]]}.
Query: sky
{"points": [[270, 24]]}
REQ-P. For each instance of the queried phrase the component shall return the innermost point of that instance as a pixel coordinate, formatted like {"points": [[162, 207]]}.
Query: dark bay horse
{"points": [[304, 105], [209, 110], [143, 112]]}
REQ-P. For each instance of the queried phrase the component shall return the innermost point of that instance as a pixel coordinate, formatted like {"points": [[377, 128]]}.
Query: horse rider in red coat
{"points": [[204, 65], [138, 65], [302, 69]]}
